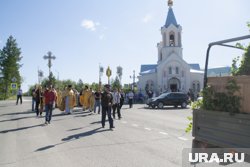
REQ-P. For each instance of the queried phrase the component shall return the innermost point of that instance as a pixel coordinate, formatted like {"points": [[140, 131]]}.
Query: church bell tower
{"points": [[171, 36]]}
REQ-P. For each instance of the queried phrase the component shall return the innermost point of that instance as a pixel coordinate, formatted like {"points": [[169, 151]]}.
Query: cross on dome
{"points": [[170, 3]]}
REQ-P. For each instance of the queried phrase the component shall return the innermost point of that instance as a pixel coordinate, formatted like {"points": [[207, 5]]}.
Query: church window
{"points": [[171, 40], [182, 73], [194, 87], [170, 70], [198, 87], [160, 56], [177, 70]]}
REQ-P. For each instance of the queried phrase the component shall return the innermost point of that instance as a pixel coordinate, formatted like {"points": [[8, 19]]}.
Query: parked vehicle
{"points": [[169, 99]]}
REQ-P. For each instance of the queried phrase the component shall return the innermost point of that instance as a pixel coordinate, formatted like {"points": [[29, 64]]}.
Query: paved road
{"points": [[142, 138]]}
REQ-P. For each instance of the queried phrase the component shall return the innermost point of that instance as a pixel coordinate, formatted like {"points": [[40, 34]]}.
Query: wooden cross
{"points": [[49, 57]]}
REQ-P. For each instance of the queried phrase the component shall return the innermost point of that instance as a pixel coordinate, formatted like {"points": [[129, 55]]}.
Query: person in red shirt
{"points": [[49, 96]]}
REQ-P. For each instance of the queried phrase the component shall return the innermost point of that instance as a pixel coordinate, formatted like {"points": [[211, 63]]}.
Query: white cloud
{"points": [[148, 17], [90, 24]]}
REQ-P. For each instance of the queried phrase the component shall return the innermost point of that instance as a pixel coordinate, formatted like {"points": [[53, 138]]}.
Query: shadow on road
{"points": [[16, 119], [73, 137], [4, 106], [84, 134], [21, 112], [18, 129], [74, 129], [84, 115], [97, 122]]}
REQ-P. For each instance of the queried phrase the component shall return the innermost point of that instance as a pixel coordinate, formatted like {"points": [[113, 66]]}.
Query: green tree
{"points": [[67, 82], [79, 85], [10, 58], [244, 67], [51, 80], [116, 83], [94, 86]]}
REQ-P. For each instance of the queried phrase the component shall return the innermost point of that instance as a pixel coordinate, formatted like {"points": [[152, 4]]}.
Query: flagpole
{"points": [[38, 75], [99, 73]]}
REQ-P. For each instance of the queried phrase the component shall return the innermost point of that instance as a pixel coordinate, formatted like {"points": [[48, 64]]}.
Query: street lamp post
{"points": [[133, 80], [133, 84], [100, 75]]}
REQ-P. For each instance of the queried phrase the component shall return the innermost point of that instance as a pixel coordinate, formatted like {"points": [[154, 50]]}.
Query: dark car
{"points": [[169, 99]]}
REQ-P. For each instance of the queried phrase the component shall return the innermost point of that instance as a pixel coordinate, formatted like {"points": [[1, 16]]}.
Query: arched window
{"points": [[198, 87], [193, 87], [177, 70], [171, 40], [170, 70]]}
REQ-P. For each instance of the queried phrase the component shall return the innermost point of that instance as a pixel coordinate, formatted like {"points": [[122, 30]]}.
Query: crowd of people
{"points": [[107, 102]]}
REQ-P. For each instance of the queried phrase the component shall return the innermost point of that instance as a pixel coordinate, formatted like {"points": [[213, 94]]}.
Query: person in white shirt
{"points": [[19, 95], [130, 98], [116, 103]]}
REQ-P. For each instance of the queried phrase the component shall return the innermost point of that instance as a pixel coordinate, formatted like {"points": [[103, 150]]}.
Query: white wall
{"points": [[143, 81]]}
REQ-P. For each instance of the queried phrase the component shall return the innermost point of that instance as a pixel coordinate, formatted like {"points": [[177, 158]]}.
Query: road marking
{"points": [[124, 122], [135, 125], [183, 138], [26, 100], [163, 133], [148, 129]]}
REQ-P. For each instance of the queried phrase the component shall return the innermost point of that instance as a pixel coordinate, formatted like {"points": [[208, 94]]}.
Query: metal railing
{"points": [[221, 43]]}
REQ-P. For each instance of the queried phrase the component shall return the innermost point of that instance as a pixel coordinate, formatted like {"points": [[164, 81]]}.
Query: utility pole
{"points": [[133, 84], [133, 80]]}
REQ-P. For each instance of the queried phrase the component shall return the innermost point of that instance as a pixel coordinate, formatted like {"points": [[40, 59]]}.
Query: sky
{"points": [[84, 34]]}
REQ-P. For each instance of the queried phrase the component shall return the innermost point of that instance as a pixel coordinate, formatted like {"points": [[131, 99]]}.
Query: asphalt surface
{"points": [[142, 138]]}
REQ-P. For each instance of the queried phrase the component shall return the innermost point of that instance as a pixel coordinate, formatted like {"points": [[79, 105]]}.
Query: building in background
{"points": [[219, 72], [172, 72]]}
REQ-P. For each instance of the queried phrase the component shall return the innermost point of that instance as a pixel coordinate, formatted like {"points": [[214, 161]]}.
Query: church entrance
{"points": [[173, 87], [174, 84]]}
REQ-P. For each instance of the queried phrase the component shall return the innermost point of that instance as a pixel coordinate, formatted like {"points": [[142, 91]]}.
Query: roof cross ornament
{"points": [[170, 3]]}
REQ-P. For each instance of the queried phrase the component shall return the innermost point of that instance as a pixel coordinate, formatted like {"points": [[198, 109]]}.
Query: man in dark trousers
{"points": [[49, 96], [106, 100], [19, 95], [33, 94]]}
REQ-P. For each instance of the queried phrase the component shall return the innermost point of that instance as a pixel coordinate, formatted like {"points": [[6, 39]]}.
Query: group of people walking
{"points": [[108, 102], [43, 99]]}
